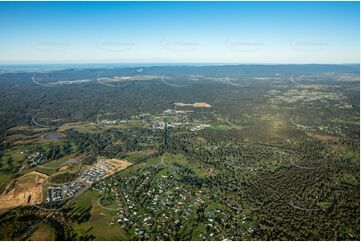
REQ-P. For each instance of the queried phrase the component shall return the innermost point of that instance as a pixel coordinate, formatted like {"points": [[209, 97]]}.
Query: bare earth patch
{"points": [[117, 165], [201, 105], [26, 190], [64, 168]]}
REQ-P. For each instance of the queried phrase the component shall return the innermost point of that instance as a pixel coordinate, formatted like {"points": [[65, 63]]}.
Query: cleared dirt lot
{"points": [[25, 190], [201, 105], [117, 165]]}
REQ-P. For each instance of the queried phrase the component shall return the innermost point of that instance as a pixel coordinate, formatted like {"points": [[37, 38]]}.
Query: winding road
{"points": [[303, 209], [100, 205]]}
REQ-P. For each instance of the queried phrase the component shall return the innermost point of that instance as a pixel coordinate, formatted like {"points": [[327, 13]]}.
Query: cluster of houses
{"points": [[159, 125], [36, 158], [174, 119], [59, 193], [91, 175], [200, 127], [97, 172], [167, 203], [169, 118], [116, 121]]}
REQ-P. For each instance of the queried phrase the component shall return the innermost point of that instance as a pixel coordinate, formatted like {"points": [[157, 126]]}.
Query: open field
{"points": [[43, 232], [98, 219], [89, 127]]}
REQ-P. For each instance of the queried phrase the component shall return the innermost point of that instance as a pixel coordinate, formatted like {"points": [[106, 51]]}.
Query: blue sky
{"points": [[149, 32]]}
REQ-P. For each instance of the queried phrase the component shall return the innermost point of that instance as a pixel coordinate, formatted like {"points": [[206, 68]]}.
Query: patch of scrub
{"points": [[53, 136]]}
